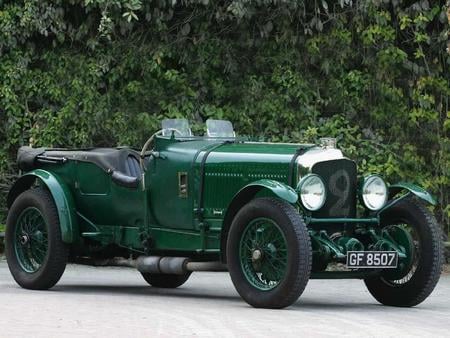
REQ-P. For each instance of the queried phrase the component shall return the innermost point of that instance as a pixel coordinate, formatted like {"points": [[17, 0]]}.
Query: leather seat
{"points": [[132, 167]]}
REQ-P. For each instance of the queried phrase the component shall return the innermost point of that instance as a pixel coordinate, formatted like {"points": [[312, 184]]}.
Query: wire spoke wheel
{"points": [[263, 253], [269, 253], [415, 229], [31, 240]]}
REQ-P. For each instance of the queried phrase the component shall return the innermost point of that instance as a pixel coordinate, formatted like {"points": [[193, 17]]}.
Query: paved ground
{"points": [[116, 302]]}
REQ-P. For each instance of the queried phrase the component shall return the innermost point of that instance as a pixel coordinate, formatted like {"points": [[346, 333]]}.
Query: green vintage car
{"points": [[272, 214]]}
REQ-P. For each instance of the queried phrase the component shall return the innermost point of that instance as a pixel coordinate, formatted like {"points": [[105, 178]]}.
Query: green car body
{"points": [[91, 206], [181, 199]]}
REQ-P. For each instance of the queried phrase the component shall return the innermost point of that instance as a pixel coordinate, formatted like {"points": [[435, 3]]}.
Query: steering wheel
{"points": [[144, 153]]}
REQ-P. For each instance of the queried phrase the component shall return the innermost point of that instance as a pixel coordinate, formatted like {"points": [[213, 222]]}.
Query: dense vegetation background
{"points": [[374, 73]]}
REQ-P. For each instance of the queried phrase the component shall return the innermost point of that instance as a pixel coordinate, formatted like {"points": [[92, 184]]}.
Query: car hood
{"points": [[308, 154]]}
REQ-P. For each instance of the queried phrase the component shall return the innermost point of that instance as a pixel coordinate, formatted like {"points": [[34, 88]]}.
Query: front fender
{"points": [[421, 193], [61, 195], [281, 190]]}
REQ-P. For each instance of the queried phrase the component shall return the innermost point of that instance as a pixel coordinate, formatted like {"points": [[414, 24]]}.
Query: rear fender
{"points": [[61, 196], [246, 194]]}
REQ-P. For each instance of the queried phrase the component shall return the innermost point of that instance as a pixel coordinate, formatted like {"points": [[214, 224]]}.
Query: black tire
{"points": [[298, 246], [166, 281], [55, 259], [419, 281]]}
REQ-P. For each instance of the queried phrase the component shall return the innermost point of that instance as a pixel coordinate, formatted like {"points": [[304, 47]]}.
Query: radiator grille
{"points": [[339, 177]]}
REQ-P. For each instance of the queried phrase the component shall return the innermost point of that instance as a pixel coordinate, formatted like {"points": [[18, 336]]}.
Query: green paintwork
{"points": [[327, 249], [63, 200], [279, 189], [405, 244], [349, 244], [385, 242], [324, 248], [416, 190], [188, 196]]}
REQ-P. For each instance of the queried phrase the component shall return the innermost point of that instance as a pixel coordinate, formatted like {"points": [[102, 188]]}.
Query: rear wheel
{"points": [[269, 253], [34, 249], [166, 280], [413, 284]]}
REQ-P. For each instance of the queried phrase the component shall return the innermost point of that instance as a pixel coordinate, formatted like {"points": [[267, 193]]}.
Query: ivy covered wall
{"points": [[373, 73]]}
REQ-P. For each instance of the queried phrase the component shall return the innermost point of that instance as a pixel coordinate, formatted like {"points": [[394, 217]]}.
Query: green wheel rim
{"points": [[407, 236], [263, 254], [31, 240]]}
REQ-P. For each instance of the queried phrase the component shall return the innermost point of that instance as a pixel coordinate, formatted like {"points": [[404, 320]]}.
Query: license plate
{"points": [[372, 259]]}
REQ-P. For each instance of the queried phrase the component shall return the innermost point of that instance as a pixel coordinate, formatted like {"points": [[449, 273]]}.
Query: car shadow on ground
{"points": [[197, 294], [138, 290], [305, 303]]}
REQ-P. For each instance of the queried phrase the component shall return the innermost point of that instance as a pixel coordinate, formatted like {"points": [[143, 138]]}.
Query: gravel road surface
{"points": [[116, 302]]}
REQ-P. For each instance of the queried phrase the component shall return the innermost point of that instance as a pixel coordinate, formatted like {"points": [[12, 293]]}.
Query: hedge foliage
{"points": [[374, 73]]}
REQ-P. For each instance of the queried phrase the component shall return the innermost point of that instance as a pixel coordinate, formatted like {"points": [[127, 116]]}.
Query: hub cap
{"points": [[256, 255], [31, 240], [263, 254]]}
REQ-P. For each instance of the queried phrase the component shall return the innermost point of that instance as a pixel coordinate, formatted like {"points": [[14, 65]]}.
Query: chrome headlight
{"points": [[374, 192], [312, 192]]}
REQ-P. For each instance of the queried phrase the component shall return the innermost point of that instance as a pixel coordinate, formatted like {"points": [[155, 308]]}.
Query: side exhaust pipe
{"points": [[157, 264], [166, 265]]}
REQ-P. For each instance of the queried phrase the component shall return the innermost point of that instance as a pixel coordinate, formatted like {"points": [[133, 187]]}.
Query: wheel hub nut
{"points": [[256, 255], [24, 239]]}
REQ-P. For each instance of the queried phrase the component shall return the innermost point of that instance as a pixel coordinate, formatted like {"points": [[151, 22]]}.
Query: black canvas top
{"points": [[124, 160]]}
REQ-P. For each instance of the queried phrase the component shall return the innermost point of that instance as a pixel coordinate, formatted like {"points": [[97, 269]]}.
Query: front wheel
{"points": [[415, 283], [269, 253]]}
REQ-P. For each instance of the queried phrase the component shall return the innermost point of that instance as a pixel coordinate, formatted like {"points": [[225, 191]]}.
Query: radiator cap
{"points": [[328, 142]]}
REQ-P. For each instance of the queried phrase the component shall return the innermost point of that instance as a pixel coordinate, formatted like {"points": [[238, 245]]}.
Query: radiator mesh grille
{"points": [[339, 177]]}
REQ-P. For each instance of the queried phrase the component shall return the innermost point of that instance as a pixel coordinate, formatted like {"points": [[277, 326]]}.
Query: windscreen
{"points": [[219, 128], [180, 127]]}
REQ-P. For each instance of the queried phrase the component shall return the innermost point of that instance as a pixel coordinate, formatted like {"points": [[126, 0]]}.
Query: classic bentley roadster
{"points": [[274, 215]]}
